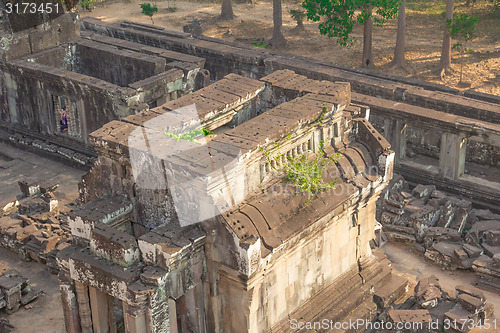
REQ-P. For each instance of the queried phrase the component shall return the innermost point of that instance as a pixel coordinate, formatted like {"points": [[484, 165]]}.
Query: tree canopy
{"points": [[340, 16]]}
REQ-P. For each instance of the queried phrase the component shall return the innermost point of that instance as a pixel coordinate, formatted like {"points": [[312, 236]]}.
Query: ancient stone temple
{"points": [[267, 253], [48, 65], [188, 220]]}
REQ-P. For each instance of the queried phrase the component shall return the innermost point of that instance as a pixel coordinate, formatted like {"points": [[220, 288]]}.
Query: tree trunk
{"points": [[278, 40], [461, 63], [227, 10], [446, 50], [367, 41], [399, 50]]}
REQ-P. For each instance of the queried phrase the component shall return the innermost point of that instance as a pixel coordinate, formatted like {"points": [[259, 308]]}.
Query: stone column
{"points": [[395, 133], [452, 155], [69, 305], [134, 318], [82, 294], [100, 310], [172, 316]]}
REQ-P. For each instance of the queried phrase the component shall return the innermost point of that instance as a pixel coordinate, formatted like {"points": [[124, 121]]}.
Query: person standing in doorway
{"points": [[64, 119]]}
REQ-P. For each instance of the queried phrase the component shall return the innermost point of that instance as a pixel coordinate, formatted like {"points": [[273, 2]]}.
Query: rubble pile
{"points": [[447, 229], [34, 227], [439, 310], [15, 290]]}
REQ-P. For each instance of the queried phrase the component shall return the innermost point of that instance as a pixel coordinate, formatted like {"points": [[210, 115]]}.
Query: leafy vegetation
{"points": [[462, 28], [305, 171], [338, 17], [149, 10], [261, 44], [189, 136]]}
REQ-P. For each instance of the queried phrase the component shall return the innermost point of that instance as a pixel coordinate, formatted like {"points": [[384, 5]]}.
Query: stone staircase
{"points": [[350, 298]]}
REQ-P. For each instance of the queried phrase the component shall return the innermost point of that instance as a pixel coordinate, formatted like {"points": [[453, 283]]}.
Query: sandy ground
{"points": [[253, 23], [43, 315]]}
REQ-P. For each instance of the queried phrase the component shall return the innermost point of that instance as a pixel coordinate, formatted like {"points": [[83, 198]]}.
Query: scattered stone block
{"points": [[472, 251], [6, 222], [411, 316], [470, 303], [426, 217], [461, 254], [496, 260], [428, 292], [459, 316], [469, 290], [423, 191], [391, 291], [485, 214], [492, 237], [388, 218], [29, 189], [490, 250]]}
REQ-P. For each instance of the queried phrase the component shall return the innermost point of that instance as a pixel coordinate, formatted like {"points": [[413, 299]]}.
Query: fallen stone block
{"points": [[489, 283], [411, 316], [443, 254], [472, 251], [470, 303], [400, 237], [448, 211], [471, 291], [7, 222], [428, 292], [485, 214], [388, 218], [29, 189], [496, 260], [461, 254], [423, 191], [492, 237], [392, 209], [426, 217], [5, 326], [436, 234], [490, 250], [460, 318], [391, 291], [459, 219]]}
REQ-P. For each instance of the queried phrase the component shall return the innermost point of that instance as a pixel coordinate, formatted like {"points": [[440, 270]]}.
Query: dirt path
{"points": [[253, 23]]}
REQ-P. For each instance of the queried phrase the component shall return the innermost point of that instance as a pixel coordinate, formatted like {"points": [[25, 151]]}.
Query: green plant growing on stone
{"points": [[189, 136], [304, 171], [149, 10], [463, 29]]}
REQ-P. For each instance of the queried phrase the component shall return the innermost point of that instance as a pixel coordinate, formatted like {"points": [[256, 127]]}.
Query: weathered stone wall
{"points": [[24, 36], [60, 57], [224, 58], [120, 67], [427, 142], [221, 59], [30, 88], [308, 262]]}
